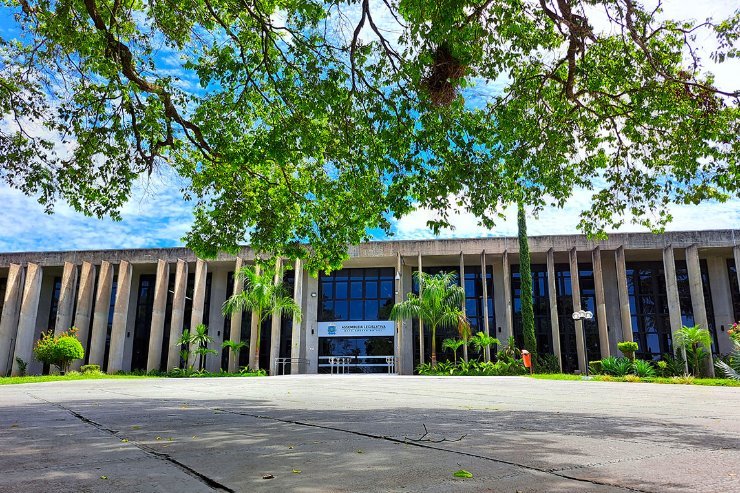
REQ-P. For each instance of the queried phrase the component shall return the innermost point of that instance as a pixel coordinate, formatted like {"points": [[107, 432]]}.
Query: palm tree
{"points": [[695, 341], [438, 305], [184, 343], [453, 344], [481, 341], [235, 348], [264, 297], [200, 340], [464, 330]]}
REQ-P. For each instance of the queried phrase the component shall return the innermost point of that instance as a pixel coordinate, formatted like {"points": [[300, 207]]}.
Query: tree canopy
{"points": [[303, 124]]}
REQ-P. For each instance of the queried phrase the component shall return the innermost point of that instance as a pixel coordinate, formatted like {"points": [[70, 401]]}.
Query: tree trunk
{"points": [[525, 275], [465, 350], [434, 347]]}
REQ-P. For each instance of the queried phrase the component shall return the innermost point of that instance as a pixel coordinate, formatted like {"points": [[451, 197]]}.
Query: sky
{"points": [[157, 216]]}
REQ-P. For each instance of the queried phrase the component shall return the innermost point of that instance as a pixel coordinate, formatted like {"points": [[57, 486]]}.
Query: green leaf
{"points": [[462, 473]]}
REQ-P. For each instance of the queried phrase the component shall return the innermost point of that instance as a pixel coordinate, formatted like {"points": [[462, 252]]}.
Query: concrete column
{"points": [[27, 317], [276, 322], [159, 309], [219, 287], [624, 298], [295, 337], [671, 287], [552, 295], [421, 322], [575, 285], [721, 301], [696, 288], [83, 313], [9, 318], [100, 315], [66, 303], [310, 322], [464, 311], [499, 300], [199, 300], [255, 328], [400, 324], [486, 328], [600, 303], [611, 292], [508, 329], [120, 317], [178, 314], [235, 330]]}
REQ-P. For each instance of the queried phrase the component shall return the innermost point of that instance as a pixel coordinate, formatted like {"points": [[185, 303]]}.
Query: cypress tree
{"points": [[525, 275]]}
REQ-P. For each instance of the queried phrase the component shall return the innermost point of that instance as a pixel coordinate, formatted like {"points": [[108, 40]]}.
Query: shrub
{"points": [[22, 366], [86, 369], [628, 348], [643, 368], [729, 366], [683, 379], [631, 378], [595, 368], [59, 350], [617, 367], [696, 342], [673, 366], [547, 363]]}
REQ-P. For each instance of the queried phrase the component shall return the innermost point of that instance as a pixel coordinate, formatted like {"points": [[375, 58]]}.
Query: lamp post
{"points": [[584, 315]]}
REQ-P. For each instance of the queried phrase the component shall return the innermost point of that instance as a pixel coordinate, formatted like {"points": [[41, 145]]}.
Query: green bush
{"points": [[59, 350], [617, 367], [595, 367], [672, 366], [643, 368], [84, 369], [628, 348], [547, 363], [474, 368], [22, 366]]}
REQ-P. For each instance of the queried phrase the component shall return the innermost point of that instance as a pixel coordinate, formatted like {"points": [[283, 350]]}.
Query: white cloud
{"points": [[564, 221]]}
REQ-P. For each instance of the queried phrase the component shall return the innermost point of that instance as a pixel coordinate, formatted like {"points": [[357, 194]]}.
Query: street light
{"points": [[584, 315]]}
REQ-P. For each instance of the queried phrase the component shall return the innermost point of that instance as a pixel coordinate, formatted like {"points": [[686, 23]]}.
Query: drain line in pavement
{"points": [[212, 483]]}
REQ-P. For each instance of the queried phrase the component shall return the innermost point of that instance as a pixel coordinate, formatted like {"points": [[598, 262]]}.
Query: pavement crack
{"points": [[210, 482], [431, 447]]}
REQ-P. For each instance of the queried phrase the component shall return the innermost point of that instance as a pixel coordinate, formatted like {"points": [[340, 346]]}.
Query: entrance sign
{"points": [[361, 328]]}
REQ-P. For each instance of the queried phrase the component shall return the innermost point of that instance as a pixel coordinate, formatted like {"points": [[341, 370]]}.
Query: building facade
{"points": [[131, 306]]}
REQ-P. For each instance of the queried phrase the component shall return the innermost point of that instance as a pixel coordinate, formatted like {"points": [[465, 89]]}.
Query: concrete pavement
{"points": [[367, 433]]}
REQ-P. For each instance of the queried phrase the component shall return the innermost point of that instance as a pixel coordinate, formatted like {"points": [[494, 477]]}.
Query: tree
{"points": [[185, 349], [235, 348], [302, 130], [199, 341], [438, 305], [454, 345], [525, 278], [481, 341], [264, 297], [731, 368], [464, 331], [696, 342], [59, 350]]}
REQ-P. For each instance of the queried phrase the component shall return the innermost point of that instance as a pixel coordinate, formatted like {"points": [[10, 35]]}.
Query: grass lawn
{"points": [[717, 382], [55, 378]]}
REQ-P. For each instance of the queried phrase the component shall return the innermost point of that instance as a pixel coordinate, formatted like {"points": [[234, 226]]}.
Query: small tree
{"points": [[628, 349], [235, 347], [59, 350], [453, 344], [696, 342], [481, 341], [731, 367], [263, 297], [184, 343], [464, 330], [199, 344], [438, 305]]}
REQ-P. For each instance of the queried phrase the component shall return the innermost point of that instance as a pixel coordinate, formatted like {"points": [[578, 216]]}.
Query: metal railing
{"points": [[282, 363], [339, 365]]}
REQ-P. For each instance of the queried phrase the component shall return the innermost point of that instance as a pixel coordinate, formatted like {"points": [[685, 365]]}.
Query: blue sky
{"points": [[157, 216]]}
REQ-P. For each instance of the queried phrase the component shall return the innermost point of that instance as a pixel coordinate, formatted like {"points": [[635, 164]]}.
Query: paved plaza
{"points": [[367, 433]]}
